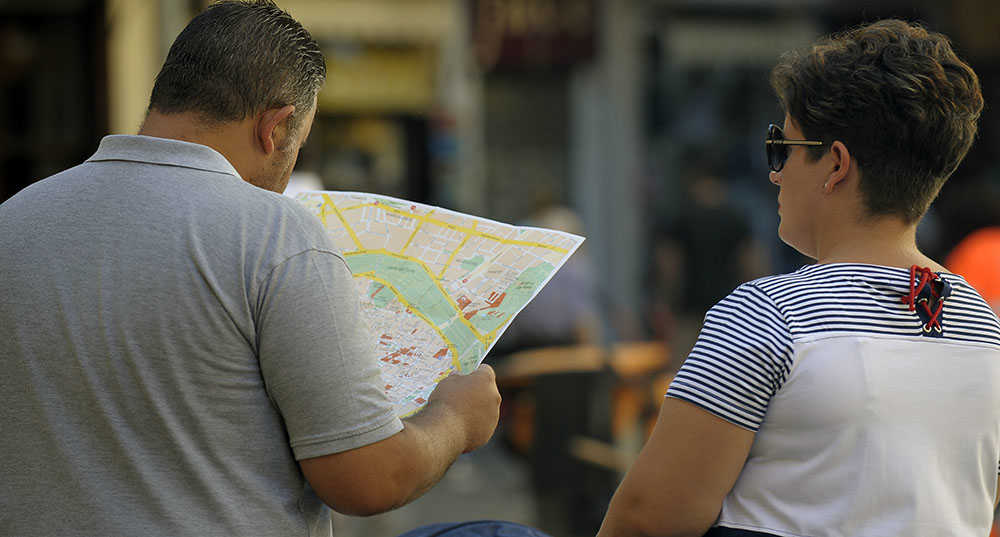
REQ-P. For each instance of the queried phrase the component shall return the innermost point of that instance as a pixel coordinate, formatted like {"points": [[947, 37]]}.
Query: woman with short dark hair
{"points": [[859, 396]]}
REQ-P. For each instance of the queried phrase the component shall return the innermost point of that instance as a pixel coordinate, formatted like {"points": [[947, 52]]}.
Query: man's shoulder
{"points": [[37, 193], [274, 219], [294, 212]]}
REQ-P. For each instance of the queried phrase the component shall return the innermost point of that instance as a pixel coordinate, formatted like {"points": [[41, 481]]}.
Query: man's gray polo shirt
{"points": [[172, 339]]}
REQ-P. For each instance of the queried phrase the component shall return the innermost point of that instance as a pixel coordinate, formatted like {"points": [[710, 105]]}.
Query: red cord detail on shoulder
{"points": [[925, 276]]}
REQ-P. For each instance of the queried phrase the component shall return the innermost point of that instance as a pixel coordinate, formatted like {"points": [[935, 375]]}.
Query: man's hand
{"points": [[460, 416], [474, 398]]}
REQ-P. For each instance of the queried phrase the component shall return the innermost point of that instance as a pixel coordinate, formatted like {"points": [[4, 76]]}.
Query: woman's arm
{"points": [[676, 486]]}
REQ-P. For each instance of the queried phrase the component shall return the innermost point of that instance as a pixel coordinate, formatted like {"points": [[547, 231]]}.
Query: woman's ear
{"points": [[840, 166]]}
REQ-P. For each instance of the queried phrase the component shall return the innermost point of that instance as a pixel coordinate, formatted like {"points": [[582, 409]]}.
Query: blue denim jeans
{"points": [[476, 528]]}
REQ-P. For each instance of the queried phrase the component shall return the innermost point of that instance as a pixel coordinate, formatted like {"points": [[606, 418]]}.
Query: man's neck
{"points": [[231, 139], [183, 126]]}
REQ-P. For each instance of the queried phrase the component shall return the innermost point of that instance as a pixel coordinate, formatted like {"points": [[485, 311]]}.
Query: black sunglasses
{"points": [[777, 147]]}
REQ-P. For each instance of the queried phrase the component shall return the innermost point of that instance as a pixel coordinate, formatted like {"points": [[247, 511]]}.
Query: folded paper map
{"points": [[437, 287]]}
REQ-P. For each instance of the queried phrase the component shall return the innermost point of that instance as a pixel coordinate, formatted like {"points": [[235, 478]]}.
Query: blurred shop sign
{"points": [[533, 33], [48, 7], [752, 4], [375, 20], [382, 79], [708, 41]]}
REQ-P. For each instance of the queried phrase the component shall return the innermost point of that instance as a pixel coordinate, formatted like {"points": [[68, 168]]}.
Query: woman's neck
{"points": [[884, 241]]}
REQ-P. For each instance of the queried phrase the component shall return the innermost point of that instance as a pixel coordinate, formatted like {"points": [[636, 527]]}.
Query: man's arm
{"points": [[676, 486], [460, 416]]}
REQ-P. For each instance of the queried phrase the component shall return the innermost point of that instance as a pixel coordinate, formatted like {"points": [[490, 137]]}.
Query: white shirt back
{"points": [[866, 423]]}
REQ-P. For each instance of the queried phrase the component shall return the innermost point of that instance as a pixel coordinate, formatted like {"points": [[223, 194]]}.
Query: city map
{"points": [[437, 287]]}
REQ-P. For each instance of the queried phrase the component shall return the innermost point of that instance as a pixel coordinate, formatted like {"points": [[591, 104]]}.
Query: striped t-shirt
{"points": [[872, 417]]}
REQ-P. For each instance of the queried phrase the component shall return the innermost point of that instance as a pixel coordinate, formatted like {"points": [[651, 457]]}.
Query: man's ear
{"points": [[272, 128], [840, 159]]}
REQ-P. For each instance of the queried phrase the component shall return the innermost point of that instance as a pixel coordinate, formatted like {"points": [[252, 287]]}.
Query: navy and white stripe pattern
{"points": [[746, 347], [741, 358]]}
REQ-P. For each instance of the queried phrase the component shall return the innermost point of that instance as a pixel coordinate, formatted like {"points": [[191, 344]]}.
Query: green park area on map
{"points": [[437, 287]]}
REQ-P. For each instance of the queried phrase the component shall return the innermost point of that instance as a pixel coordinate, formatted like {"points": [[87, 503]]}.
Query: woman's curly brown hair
{"points": [[898, 97]]}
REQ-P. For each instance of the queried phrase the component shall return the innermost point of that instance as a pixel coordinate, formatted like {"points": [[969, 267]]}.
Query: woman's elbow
{"points": [[639, 517]]}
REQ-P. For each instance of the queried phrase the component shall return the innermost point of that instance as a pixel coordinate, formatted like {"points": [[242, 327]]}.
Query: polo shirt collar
{"points": [[164, 151]]}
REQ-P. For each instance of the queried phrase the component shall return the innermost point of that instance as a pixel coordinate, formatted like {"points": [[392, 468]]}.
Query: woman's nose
{"points": [[775, 177]]}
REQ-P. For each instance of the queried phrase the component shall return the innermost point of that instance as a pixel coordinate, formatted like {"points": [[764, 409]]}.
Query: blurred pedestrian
{"points": [[565, 311], [698, 256]]}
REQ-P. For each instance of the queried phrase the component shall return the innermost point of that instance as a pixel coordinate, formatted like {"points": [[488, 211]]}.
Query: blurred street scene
{"points": [[638, 124]]}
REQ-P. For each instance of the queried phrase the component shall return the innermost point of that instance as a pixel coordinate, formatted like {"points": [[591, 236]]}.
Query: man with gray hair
{"points": [[182, 348]]}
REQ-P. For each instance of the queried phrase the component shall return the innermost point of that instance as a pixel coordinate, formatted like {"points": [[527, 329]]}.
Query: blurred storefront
{"points": [[397, 115], [561, 117], [53, 97]]}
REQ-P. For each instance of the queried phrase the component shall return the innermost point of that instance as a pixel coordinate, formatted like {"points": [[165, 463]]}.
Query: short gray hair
{"points": [[238, 58]]}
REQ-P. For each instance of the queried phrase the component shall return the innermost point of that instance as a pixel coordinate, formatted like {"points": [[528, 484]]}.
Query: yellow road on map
{"points": [[437, 287]]}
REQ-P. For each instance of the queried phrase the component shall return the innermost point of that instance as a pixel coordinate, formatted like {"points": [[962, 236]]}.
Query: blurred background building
{"points": [[645, 118]]}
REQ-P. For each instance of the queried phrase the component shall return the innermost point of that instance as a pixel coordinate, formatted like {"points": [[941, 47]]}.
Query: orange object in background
{"points": [[977, 259]]}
